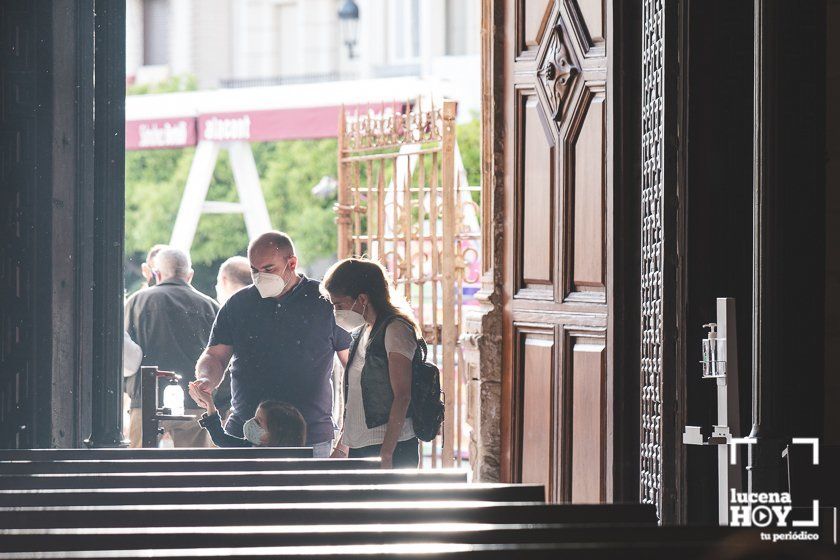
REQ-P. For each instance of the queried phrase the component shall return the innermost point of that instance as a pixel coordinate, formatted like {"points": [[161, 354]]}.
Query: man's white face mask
{"points": [[269, 285]]}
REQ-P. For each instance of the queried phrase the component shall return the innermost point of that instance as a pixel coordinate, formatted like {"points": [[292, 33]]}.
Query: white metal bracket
{"points": [[194, 203]]}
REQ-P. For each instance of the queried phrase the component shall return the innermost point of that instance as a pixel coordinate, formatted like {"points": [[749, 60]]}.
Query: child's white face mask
{"points": [[348, 319], [253, 432]]}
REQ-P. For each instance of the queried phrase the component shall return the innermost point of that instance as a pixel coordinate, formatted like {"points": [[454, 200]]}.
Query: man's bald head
{"points": [[272, 240], [236, 271], [173, 263], [273, 253], [234, 274]]}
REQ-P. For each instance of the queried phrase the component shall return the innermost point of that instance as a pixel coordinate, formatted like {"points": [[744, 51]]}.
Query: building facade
{"points": [[236, 43]]}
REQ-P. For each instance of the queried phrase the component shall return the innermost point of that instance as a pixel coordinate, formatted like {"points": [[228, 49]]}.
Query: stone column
{"points": [[482, 352]]}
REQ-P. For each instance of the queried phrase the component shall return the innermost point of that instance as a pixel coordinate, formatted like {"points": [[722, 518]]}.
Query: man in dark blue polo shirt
{"points": [[279, 337]]}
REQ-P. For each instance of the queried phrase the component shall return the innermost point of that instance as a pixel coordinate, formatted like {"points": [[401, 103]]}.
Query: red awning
{"points": [[295, 112]]}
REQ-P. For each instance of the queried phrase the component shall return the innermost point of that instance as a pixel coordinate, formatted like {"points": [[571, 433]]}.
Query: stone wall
{"points": [[482, 354]]}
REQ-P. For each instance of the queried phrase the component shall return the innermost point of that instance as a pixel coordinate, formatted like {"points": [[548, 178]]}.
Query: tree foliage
{"points": [[182, 82], [469, 143], [155, 182]]}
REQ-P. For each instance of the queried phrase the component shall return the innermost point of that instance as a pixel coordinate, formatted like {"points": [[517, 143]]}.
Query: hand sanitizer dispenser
{"points": [[173, 399], [151, 413], [713, 366], [720, 363]]}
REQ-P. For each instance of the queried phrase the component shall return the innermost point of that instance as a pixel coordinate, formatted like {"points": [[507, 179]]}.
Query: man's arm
{"points": [[132, 356], [343, 355], [341, 341], [128, 317], [210, 367]]}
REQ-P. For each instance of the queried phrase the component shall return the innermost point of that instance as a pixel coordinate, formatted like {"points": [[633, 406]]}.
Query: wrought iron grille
{"points": [[652, 250], [404, 200]]}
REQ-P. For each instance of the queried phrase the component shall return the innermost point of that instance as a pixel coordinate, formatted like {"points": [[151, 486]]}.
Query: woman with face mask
{"points": [[275, 424], [377, 380]]}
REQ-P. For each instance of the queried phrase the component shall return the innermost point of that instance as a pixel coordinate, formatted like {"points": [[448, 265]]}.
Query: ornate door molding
{"points": [[556, 381]]}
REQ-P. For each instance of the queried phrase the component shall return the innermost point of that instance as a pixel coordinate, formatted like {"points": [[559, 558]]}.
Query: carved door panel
{"points": [[556, 400]]}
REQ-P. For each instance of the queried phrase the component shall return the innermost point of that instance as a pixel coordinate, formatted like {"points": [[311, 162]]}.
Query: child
{"points": [[275, 424]]}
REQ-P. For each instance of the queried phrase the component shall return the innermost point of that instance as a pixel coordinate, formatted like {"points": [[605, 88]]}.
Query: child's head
{"points": [[359, 284], [359, 279], [282, 425]]}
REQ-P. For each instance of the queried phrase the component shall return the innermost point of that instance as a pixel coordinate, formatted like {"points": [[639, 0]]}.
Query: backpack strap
{"points": [[421, 343], [421, 346], [355, 337]]}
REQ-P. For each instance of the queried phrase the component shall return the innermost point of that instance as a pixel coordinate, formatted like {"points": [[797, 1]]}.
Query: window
{"points": [[405, 31], [288, 55], [456, 27], [155, 32]]}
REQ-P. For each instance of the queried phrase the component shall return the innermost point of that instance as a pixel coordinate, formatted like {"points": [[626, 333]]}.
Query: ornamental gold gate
{"points": [[403, 199]]}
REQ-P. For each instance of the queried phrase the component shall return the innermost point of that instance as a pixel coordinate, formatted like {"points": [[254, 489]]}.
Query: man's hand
{"points": [[202, 396], [343, 356], [202, 385], [210, 367]]}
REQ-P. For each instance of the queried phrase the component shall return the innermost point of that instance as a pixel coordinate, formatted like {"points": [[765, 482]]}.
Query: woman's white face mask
{"points": [[269, 285], [253, 432], [348, 319]]}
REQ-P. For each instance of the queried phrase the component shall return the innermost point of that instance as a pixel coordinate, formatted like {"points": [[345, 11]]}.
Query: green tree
{"points": [[469, 143], [155, 181], [182, 82]]}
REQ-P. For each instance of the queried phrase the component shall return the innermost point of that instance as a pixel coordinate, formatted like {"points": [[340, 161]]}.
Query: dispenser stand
{"points": [[152, 415], [720, 362]]}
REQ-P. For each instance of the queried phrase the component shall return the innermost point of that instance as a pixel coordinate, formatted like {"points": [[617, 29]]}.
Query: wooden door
{"points": [[557, 259]]}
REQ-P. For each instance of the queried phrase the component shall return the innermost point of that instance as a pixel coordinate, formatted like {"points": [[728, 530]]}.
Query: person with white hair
{"points": [[147, 267], [171, 321], [234, 274]]}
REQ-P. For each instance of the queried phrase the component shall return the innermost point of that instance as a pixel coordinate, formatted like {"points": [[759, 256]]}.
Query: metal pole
{"points": [[765, 463], [449, 331], [728, 413], [720, 362], [343, 205], [149, 430]]}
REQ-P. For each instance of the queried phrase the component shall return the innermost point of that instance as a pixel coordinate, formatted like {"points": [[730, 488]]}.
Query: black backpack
{"points": [[427, 399]]}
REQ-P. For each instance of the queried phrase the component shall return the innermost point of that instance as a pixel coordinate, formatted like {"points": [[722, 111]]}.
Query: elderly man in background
{"points": [[131, 361], [147, 268], [171, 321], [282, 337], [234, 274]]}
